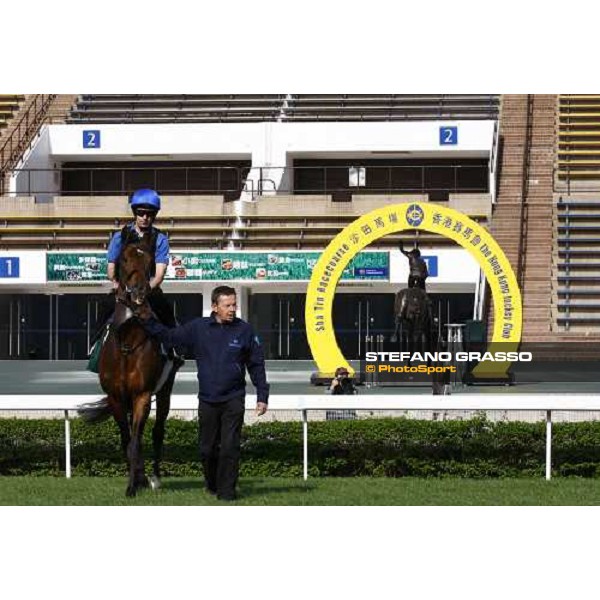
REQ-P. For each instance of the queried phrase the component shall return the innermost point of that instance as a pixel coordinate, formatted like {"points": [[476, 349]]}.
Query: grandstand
{"points": [[206, 222], [578, 160], [221, 108], [287, 172]]}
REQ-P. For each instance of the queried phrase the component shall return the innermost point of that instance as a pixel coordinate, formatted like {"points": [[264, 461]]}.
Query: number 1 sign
{"points": [[9, 267]]}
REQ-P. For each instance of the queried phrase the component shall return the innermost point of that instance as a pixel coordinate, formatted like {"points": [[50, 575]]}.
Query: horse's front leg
{"points": [[163, 404], [396, 336], [140, 412], [120, 416]]}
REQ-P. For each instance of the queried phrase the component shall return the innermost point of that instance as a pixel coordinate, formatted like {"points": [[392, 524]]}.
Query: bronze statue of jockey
{"points": [[418, 268]]}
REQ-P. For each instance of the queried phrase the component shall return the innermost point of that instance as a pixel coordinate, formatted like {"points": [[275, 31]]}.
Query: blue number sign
{"points": [[91, 139], [9, 267], [448, 136], [432, 265]]}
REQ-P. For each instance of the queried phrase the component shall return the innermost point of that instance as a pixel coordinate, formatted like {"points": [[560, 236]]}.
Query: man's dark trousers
{"points": [[221, 428]]}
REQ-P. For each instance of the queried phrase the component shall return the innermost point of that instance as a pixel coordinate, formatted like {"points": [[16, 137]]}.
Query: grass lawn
{"points": [[294, 492]]}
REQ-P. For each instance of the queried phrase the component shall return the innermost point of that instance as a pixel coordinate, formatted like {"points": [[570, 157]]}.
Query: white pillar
{"points": [[269, 164], [242, 301], [206, 303]]}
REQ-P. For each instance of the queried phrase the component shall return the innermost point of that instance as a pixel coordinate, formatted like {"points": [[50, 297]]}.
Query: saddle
{"points": [[94, 353]]}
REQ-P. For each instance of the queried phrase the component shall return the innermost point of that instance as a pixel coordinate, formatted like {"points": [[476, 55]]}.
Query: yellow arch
{"points": [[508, 314]]}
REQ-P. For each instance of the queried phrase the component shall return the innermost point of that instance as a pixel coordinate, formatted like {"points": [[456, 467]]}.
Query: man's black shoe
{"points": [[178, 362], [227, 498]]}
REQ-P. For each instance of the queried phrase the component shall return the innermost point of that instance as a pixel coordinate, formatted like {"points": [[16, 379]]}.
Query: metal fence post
{"points": [[67, 445], [548, 445], [305, 442]]}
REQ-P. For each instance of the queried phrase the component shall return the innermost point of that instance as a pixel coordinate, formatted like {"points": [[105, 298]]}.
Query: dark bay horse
{"points": [[415, 330], [130, 369]]}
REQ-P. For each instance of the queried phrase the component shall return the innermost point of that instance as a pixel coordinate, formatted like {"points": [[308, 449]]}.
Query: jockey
{"points": [[145, 205], [418, 268]]}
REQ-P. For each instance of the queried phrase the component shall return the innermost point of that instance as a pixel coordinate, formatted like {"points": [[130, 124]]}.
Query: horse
{"points": [[415, 330], [131, 370]]}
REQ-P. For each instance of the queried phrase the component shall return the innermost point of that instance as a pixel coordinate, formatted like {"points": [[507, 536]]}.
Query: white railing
{"points": [[305, 404]]}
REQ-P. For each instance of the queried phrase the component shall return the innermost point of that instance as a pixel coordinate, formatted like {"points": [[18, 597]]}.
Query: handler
{"points": [[224, 347]]}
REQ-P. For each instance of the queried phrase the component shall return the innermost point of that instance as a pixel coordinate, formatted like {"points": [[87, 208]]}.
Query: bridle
{"points": [[134, 299]]}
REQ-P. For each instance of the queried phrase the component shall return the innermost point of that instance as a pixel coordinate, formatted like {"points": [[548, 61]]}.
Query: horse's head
{"points": [[135, 265]]}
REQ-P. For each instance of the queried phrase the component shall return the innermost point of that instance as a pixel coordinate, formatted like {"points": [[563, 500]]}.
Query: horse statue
{"points": [[132, 368], [413, 319], [415, 330]]}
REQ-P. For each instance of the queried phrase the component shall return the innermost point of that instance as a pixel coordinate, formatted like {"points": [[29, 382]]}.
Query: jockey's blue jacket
{"points": [[223, 352]]}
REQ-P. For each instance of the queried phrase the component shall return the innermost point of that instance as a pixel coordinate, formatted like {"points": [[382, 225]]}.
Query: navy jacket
{"points": [[223, 352]]}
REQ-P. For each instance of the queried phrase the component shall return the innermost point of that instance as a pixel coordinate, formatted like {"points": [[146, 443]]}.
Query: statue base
{"points": [[471, 379], [318, 378]]}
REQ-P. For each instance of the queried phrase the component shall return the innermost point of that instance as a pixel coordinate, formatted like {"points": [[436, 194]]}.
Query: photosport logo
{"points": [[536, 367], [406, 366]]}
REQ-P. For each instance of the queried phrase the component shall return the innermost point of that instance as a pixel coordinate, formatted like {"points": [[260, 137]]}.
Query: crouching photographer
{"points": [[341, 385]]}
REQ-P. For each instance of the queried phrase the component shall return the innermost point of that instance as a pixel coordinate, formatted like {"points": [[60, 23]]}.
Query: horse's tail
{"points": [[95, 412]]}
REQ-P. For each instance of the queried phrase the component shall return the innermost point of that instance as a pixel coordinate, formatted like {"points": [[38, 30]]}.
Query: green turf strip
{"points": [[317, 491]]}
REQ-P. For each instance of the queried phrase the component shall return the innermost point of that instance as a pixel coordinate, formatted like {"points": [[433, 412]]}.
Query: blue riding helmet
{"points": [[147, 198]]}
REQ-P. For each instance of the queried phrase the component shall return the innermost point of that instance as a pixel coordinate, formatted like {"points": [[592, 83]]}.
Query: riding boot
{"points": [[106, 308], [98, 334]]}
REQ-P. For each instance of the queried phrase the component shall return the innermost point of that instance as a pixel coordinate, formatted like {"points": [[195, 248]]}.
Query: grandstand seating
{"points": [[155, 108], [578, 156], [390, 107], [200, 222], [216, 108], [9, 104], [578, 262]]}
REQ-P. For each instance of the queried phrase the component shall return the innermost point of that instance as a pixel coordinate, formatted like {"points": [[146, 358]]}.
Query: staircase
{"points": [[523, 218], [35, 111], [9, 105]]}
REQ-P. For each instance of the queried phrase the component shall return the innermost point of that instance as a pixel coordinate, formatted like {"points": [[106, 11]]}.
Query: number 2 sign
{"points": [[448, 136], [91, 139]]}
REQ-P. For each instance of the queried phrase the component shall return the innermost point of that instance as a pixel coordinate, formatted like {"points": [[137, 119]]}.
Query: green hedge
{"points": [[374, 447]]}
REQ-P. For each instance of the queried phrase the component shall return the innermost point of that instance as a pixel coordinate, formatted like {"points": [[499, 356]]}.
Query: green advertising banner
{"points": [[222, 266], [75, 267]]}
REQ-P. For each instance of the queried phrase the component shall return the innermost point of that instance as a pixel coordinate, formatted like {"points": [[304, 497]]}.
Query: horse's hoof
{"points": [[393, 339], [154, 483]]}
